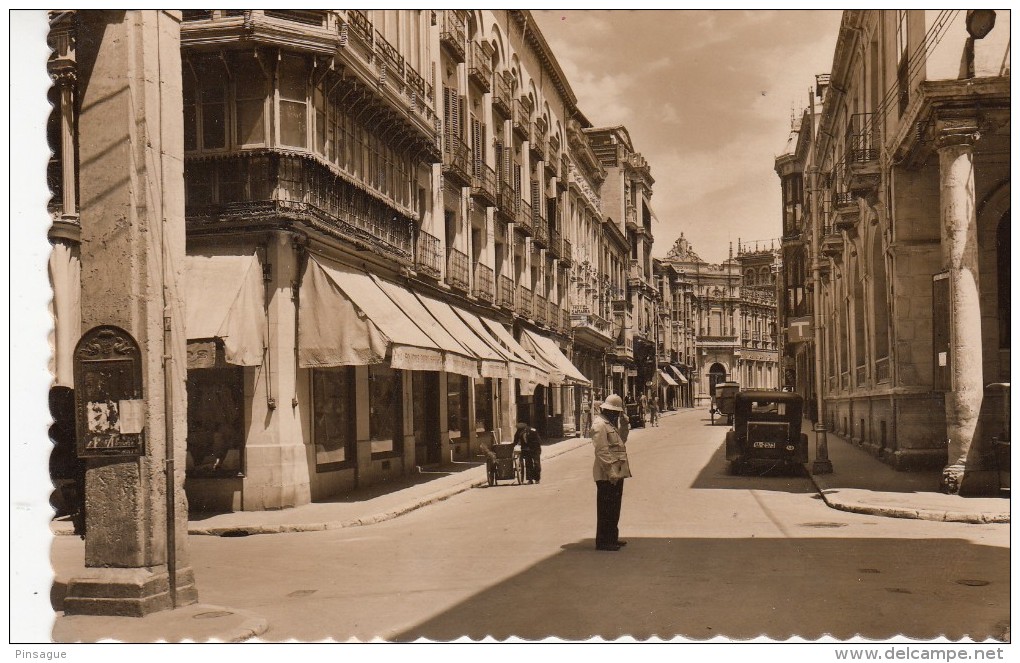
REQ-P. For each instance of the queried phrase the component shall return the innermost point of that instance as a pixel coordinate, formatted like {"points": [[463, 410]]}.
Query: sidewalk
{"points": [[861, 483]]}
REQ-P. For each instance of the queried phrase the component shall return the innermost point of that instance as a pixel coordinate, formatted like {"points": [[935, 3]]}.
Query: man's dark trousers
{"points": [[608, 501]]}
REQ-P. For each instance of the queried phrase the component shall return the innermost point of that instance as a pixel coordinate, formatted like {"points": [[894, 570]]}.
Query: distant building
{"points": [[897, 183], [730, 311]]}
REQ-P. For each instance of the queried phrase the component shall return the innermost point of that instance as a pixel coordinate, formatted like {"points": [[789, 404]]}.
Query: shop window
{"points": [[483, 406], [333, 418], [293, 102], [385, 401], [215, 421], [457, 405]]}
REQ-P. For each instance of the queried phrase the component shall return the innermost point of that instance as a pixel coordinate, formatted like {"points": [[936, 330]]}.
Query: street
{"points": [[709, 555]]}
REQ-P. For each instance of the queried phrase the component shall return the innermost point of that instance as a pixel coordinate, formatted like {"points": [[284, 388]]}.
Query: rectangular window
{"points": [[293, 102], [190, 112], [215, 421], [250, 102], [385, 409], [319, 97], [457, 405], [213, 112], [902, 61], [333, 417], [483, 405]]}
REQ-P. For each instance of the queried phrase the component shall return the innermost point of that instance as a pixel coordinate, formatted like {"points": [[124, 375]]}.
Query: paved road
{"points": [[709, 555]]}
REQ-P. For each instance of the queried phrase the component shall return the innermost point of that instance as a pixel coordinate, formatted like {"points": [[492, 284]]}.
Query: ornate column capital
{"points": [[952, 131]]}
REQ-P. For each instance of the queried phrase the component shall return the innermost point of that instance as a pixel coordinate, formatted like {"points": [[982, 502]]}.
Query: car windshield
{"points": [[767, 406]]}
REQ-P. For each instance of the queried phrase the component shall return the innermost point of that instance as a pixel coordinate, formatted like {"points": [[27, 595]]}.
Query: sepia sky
{"points": [[706, 97]]}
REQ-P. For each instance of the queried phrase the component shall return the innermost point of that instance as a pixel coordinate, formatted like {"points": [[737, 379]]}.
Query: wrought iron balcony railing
{"points": [[882, 370], [860, 138], [525, 218], [502, 96], [566, 252], [452, 33], [541, 309], [509, 202], [457, 160], [525, 305], [428, 255], [555, 242], [389, 55], [536, 140], [483, 184], [457, 269], [506, 297], [521, 118], [484, 283], [480, 66]]}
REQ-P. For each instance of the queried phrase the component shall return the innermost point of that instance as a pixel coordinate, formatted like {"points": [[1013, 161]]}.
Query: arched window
{"points": [[858, 313]]}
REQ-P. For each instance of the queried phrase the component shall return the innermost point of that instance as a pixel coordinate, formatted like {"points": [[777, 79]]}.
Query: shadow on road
{"points": [[743, 588], [716, 475]]}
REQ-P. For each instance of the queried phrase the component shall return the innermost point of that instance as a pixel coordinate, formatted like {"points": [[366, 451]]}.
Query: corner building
{"points": [[385, 212]]}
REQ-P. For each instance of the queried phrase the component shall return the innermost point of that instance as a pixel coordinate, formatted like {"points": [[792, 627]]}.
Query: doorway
{"points": [[427, 443]]}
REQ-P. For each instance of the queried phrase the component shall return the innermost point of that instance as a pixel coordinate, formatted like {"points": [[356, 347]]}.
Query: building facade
{"points": [[897, 184], [396, 243], [730, 321]]}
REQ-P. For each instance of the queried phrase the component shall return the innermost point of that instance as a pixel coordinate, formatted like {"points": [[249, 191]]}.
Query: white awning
{"points": [[224, 298], [536, 372], [345, 319], [546, 348], [493, 364], [518, 366], [678, 373], [456, 357], [668, 380]]}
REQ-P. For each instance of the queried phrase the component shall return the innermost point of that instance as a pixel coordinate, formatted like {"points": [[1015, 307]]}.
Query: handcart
{"points": [[504, 463]]}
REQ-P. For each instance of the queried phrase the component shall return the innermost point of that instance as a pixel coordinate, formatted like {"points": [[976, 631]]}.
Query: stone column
{"points": [[132, 250], [276, 458], [955, 141]]}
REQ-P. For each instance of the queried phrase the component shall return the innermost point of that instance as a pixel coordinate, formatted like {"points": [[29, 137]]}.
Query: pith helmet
{"points": [[613, 402]]}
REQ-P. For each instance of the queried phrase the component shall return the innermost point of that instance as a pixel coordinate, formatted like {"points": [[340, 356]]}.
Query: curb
{"points": [[908, 513], [244, 530], [97, 628]]}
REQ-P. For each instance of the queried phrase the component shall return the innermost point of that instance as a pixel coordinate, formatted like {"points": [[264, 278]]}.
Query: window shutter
{"points": [[476, 145], [500, 165]]}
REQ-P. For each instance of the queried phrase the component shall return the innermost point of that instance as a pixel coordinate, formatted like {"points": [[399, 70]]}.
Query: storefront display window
{"points": [[457, 405], [385, 393], [215, 421], [333, 417], [483, 406]]}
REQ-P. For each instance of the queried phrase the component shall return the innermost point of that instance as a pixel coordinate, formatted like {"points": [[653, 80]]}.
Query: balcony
{"points": [[502, 96], [860, 139], [483, 283], [480, 65], [566, 253], [525, 220], [564, 321], [541, 306], [882, 370], [392, 61], [452, 34], [265, 188], [522, 115], [457, 270], [540, 225], [525, 304], [861, 376], [555, 243], [509, 202], [505, 297], [428, 256], [536, 141], [457, 160], [483, 185]]}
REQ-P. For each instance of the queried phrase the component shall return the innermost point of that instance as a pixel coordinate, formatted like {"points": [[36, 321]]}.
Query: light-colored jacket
{"points": [[610, 448]]}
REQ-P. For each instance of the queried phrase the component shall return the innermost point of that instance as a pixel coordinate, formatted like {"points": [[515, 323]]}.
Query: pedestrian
{"points": [[653, 410], [609, 436], [643, 407], [531, 451], [585, 415]]}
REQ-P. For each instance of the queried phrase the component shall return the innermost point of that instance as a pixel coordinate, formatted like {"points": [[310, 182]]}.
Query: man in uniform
{"points": [[609, 436]]}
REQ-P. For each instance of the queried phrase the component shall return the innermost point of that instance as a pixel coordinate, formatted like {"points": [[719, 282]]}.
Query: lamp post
{"points": [[822, 464]]}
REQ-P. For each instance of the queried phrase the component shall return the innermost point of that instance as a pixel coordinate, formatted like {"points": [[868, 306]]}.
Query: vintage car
{"points": [[766, 432], [722, 402], [635, 415]]}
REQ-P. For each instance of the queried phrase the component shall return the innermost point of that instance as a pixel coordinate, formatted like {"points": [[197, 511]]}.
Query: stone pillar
{"points": [[132, 250], [276, 460], [955, 141]]}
